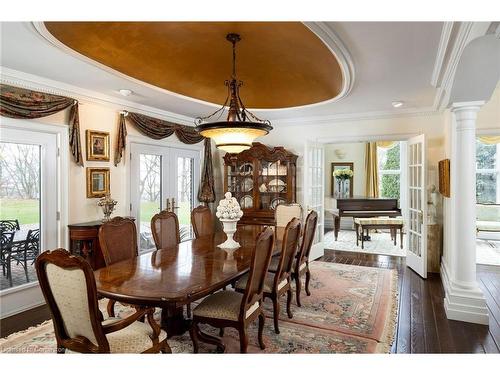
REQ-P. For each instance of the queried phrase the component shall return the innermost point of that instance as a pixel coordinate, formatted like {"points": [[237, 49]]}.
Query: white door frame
{"points": [[27, 296]]}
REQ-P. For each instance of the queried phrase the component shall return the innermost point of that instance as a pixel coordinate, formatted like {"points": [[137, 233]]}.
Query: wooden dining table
{"points": [[170, 278]]}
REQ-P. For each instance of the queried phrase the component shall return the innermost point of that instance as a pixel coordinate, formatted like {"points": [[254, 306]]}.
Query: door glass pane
{"points": [[150, 197], [185, 196], [19, 212]]}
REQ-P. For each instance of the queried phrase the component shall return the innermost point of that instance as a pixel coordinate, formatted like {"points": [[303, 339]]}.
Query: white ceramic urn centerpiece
{"points": [[229, 213]]}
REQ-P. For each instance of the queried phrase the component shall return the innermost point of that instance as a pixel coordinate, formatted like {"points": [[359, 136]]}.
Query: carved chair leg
{"points": [[205, 337], [308, 279], [188, 310], [262, 320], [289, 296], [276, 313], [193, 333], [297, 289], [165, 348], [221, 332], [243, 339], [111, 308]]}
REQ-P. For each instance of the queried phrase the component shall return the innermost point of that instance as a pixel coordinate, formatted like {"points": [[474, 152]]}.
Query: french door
{"points": [[159, 176], [29, 188], [416, 257], [314, 189]]}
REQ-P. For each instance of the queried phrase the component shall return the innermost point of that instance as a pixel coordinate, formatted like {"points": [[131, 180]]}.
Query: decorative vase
{"points": [[108, 206], [229, 213]]}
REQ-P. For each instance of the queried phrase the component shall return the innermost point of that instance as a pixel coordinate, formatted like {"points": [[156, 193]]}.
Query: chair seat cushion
{"points": [[379, 220], [221, 305], [268, 283], [136, 338]]}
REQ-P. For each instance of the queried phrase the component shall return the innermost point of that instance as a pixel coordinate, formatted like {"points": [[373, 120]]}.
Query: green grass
{"points": [[24, 210], [148, 209]]}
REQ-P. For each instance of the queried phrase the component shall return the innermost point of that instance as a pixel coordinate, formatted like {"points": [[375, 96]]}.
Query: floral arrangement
{"points": [[343, 174], [228, 208]]}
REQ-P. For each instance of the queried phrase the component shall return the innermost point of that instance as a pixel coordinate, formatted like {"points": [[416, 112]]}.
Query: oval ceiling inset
{"points": [[282, 64]]}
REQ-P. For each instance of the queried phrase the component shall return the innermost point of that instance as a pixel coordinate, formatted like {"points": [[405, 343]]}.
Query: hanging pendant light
{"points": [[241, 127]]}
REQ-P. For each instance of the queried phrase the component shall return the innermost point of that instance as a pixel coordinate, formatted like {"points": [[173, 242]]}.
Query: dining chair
{"points": [[165, 229], [118, 241], [69, 288], [27, 250], [202, 221], [278, 283], [229, 308], [6, 240], [286, 212], [10, 225]]}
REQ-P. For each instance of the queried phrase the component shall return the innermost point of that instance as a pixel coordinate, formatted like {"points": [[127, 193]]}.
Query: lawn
{"points": [[24, 210], [148, 209]]}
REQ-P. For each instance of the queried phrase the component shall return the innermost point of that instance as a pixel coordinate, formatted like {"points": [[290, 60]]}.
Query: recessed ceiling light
{"points": [[125, 92], [397, 103]]}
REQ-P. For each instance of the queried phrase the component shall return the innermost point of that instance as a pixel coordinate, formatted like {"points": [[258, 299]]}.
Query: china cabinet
{"points": [[261, 178]]}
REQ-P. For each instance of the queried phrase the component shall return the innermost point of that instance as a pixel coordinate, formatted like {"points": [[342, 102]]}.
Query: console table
{"points": [[84, 241]]}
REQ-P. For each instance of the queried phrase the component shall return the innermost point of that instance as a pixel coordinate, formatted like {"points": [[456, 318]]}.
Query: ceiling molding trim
{"points": [[441, 52], [342, 54], [376, 115], [32, 82], [320, 29]]}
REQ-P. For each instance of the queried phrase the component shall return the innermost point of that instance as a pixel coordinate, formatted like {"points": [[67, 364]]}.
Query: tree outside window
{"points": [[389, 170], [487, 173]]}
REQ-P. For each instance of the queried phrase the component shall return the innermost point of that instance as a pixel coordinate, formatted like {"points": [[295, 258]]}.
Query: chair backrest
{"points": [[307, 237], [202, 221], [118, 240], [259, 266], [288, 251], [286, 212], [32, 243], [9, 225], [6, 240], [165, 228], [69, 288]]}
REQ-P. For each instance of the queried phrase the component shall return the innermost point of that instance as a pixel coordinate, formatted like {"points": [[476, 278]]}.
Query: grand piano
{"points": [[364, 207]]}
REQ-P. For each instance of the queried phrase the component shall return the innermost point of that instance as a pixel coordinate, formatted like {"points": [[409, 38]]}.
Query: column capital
{"points": [[467, 106]]}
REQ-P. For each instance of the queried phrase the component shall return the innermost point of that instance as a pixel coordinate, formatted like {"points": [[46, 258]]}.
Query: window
{"points": [[487, 172], [389, 170]]}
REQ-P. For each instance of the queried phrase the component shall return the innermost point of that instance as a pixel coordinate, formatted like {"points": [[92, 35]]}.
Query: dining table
{"points": [[170, 278]]}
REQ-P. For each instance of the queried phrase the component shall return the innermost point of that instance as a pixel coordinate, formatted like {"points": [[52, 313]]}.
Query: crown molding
{"points": [[32, 82], [441, 52]]}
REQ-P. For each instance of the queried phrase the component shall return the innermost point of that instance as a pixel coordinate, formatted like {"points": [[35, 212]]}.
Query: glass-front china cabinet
{"points": [[261, 178]]}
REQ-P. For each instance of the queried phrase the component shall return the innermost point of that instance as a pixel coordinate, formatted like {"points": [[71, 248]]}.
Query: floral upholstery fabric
{"points": [[136, 338], [379, 220], [70, 293], [221, 305], [268, 283]]}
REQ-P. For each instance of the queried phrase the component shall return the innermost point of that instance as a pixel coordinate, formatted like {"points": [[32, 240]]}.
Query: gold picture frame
{"points": [[97, 182], [444, 177], [97, 145]]}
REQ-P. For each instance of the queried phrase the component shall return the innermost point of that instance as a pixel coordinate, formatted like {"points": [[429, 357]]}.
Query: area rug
{"points": [[380, 243], [351, 309]]}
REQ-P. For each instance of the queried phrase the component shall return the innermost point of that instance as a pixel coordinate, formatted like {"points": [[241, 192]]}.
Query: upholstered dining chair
{"points": [[118, 241], [202, 221], [301, 264], [278, 283], [229, 308], [165, 228], [69, 289], [286, 212]]}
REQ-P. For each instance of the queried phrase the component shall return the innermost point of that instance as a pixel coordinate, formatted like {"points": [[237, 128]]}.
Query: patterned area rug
{"points": [[380, 243], [351, 309]]}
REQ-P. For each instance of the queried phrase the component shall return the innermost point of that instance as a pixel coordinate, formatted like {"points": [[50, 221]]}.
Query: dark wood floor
{"points": [[422, 323]]}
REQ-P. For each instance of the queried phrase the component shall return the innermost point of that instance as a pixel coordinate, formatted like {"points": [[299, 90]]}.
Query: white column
{"points": [[464, 299]]}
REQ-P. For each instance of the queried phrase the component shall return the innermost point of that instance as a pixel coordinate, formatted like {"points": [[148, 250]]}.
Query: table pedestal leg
{"points": [[173, 321]]}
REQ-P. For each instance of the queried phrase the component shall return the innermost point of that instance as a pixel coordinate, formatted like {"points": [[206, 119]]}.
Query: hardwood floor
{"points": [[422, 323]]}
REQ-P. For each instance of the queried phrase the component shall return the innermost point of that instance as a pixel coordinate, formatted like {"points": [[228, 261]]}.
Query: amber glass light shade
{"points": [[234, 139]]}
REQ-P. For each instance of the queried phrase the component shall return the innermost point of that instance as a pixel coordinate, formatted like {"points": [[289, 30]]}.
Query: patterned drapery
{"points": [[159, 129], [21, 103]]}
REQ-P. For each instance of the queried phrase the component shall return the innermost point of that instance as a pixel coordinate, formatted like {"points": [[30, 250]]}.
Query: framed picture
{"points": [[97, 182], [347, 186], [97, 145], [444, 177]]}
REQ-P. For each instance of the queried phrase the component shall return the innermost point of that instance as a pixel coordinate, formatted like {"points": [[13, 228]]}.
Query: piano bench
{"points": [[391, 223]]}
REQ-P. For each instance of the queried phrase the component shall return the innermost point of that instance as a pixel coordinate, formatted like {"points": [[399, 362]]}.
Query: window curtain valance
{"points": [[386, 144], [159, 129], [489, 139], [21, 103]]}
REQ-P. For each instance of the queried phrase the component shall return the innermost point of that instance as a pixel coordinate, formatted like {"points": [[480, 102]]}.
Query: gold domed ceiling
{"points": [[282, 64]]}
